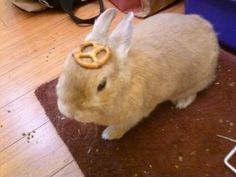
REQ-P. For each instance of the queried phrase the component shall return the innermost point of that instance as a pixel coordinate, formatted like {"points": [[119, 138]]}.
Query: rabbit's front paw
{"points": [[112, 132], [185, 102]]}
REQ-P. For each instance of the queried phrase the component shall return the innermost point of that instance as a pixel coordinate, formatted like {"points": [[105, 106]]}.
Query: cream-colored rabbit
{"points": [[165, 57]]}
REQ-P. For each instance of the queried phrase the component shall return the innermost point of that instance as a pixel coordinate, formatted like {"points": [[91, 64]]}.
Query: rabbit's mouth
{"points": [[84, 116], [91, 117]]}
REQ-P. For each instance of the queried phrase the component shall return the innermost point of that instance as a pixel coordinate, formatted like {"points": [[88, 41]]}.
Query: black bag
{"points": [[68, 6]]}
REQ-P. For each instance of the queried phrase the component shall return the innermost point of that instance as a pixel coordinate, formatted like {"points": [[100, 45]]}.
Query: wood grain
{"points": [[42, 156], [18, 119], [33, 47]]}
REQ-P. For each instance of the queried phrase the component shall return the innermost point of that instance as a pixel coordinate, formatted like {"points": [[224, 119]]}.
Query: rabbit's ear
{"points": [[121, 36], [102, 25]]}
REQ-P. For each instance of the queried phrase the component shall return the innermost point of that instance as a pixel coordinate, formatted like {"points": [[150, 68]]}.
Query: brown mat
{"points": [[170, 143]]}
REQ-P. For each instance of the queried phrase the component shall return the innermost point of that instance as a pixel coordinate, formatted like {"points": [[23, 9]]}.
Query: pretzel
{"points": [[94, 62]]}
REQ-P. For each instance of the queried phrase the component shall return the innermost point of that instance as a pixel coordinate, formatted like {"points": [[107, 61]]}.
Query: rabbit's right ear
{"points": [[102, 25], [121, 37]]}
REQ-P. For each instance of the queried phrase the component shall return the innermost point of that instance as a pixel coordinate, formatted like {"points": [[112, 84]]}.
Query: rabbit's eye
{"points": [[102, 85]]}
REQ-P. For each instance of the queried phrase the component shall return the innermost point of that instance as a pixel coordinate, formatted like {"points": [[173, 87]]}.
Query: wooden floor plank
{"points": [[33, 26], [31, 48], [40, 23], [11, 15], [28, 77], [23, 115], [44, 155], [70, 170]]}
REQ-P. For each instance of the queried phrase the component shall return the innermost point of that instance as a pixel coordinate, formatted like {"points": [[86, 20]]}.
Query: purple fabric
{"points": [[221, 13]]}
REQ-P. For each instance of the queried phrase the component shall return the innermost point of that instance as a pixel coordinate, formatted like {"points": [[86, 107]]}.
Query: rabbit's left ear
{"points": [[120, 38], [101, 26]]}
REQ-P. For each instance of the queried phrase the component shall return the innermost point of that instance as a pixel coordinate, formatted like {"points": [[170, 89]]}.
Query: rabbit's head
{"points": [[92, 95]]}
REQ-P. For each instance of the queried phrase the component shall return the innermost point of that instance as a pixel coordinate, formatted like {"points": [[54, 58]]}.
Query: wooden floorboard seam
{"points": [[4, 149], [62, 168]]}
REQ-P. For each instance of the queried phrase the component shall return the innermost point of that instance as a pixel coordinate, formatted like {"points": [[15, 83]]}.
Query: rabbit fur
{"points": [[166, 57]]}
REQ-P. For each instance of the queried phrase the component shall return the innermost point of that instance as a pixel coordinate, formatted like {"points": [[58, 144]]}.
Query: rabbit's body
{"points": [[170, 57], [174, 59]]}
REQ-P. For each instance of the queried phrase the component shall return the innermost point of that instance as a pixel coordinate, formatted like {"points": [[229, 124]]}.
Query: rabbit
{"points": [[166, 57]]}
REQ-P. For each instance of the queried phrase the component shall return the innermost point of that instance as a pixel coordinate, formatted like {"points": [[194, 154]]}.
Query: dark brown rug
{"points": [[170, 143]]}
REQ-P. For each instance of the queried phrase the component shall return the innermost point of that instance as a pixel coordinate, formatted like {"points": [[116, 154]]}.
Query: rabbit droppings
{"points": [[165, 57]]}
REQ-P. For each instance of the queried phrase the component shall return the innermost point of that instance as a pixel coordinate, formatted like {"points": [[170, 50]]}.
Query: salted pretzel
{"points": [[90, 59]]}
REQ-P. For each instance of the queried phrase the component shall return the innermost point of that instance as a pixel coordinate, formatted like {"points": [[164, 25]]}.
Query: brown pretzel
{"points": [[94, 62]]}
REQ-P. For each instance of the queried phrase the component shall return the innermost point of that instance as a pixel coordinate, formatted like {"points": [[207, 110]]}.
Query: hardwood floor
{"points": [[32, 50]]}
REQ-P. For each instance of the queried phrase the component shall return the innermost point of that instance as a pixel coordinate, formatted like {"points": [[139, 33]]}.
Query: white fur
{"points": [[165, 57], [185, 102]]}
